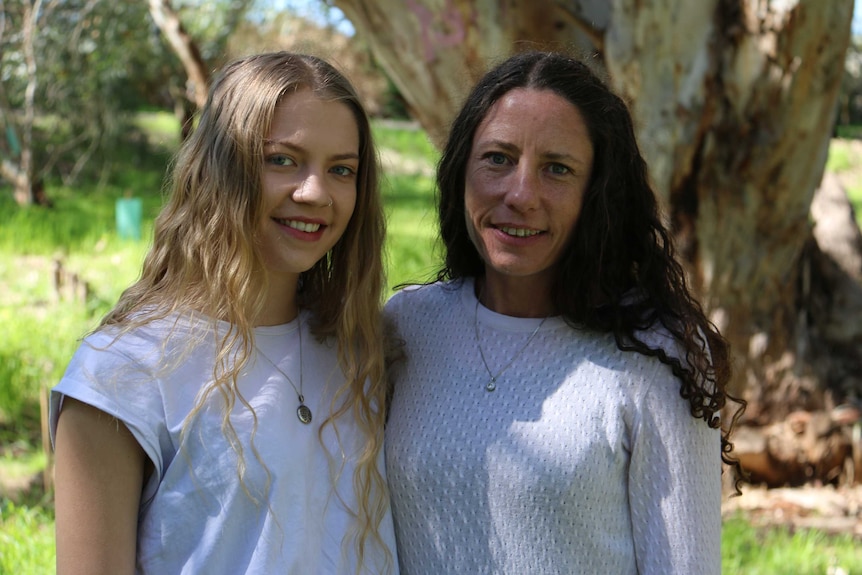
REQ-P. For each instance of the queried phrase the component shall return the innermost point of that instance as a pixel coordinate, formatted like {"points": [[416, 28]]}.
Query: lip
{"points": [[517, 233], [305, 229]]}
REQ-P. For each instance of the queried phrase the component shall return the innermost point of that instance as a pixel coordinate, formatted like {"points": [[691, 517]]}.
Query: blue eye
{"points": [[496, 158], [343, 171], [280, 160], [559, 169]]}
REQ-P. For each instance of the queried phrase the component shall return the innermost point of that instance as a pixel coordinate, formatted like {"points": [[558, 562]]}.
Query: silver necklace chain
{"points": [[492, 383], [302, 412]]}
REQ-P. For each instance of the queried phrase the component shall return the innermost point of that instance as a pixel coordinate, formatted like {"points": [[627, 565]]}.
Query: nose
{"points": [[522, 194], [312, 190]]}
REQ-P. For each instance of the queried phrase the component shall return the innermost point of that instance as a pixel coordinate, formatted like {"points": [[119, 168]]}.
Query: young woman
{"points": [[557, 406], [226, 416]]}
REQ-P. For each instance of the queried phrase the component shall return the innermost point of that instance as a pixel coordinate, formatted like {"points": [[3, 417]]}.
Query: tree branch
{"points": [[595, 35], [186, 49]]}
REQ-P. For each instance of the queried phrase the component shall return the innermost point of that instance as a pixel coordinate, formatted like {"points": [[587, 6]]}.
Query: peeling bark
{"points": [[734, 102], [435, 51]]}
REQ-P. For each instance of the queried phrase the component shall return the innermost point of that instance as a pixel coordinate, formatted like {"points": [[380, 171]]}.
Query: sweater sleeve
{"points": [[674, 484]]}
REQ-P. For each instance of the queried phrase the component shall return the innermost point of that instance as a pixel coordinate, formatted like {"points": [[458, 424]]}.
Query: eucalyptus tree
{"points": [[735, 102]]}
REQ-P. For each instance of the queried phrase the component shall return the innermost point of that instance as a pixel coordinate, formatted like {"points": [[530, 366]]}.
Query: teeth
{"points": [[301, 226], [520, 232]]}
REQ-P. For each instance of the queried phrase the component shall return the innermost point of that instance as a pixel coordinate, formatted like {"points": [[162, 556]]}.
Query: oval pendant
{"points": [[491, 385], [303, 413]]}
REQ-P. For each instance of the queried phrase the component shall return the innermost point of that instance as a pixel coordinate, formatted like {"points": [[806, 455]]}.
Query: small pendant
{"points": [[303, 412], [492, 384]]}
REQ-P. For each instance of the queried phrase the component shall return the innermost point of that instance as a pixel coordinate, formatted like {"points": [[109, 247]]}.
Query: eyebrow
{"points": [[507, 147], [565, 157], [289, 145]]}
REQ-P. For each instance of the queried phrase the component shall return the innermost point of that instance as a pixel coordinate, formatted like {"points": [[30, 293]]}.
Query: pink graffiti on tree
{"points": [[444, 32]]}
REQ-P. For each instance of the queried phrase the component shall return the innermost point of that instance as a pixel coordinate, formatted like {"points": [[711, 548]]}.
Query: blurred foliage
{"points": [[27, 539], [98, 60], [850, 93], [95, 61]]}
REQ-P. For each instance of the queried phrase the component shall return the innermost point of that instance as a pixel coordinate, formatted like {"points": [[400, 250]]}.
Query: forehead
{"points": [[527, 111], [302, 115]]}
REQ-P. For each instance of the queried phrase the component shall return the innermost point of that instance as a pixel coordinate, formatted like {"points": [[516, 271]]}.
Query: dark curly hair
{"points": [[618, 272]]}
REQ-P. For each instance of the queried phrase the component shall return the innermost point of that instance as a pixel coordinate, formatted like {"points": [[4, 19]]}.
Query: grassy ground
{"points": [[750, 550], [845, 159], [41, 326]]}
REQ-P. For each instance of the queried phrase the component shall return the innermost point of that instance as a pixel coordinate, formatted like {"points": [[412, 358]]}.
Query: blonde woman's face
{"points": [[311, 161]]}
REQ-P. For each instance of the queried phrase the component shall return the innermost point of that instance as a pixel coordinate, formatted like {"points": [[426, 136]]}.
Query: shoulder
{"points": [[422, 298], [417, 313], [111, 347], [115, 356]]}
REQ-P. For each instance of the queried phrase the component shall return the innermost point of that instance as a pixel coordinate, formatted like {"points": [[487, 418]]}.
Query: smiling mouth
{"points": [[307, 227], [519, 232]]}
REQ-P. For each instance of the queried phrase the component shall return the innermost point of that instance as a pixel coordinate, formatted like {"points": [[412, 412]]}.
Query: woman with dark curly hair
{"points": [[556, 405]]}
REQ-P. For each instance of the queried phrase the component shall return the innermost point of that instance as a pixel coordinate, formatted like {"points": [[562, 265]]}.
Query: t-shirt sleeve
{"points": [[103, 374]]}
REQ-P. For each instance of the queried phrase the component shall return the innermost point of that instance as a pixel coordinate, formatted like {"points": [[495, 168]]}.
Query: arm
{"points": [[674, 485], [99, 477]]}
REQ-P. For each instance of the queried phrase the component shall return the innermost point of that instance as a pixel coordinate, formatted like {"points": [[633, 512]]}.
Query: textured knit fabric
{"points": [[584, 460], [196, 515]]}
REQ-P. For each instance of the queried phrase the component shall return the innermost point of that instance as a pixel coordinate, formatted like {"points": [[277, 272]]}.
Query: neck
{"points": [[515, 296], [279, 304]]}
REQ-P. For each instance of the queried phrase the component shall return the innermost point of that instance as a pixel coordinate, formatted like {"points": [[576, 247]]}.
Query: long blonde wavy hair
{"points": [[205, 256]]}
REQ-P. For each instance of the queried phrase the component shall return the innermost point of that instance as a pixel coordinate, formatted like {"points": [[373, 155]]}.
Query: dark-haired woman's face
{"points": [[525, 181]]}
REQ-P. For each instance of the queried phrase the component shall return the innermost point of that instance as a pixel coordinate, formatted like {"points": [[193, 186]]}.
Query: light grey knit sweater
{"points": [[584, 460]]}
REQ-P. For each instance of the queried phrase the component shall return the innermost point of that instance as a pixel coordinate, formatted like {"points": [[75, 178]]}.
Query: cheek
{"points": [[268, 191], [350, 205], [475, 203], [471, 210], [346, 212], [469, 219]]}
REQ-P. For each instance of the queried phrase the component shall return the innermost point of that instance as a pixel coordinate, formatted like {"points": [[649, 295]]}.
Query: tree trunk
{"points": [[434, 54], [734, 102], [736, 118], [186, 49], [21, 173], [21, 188]]}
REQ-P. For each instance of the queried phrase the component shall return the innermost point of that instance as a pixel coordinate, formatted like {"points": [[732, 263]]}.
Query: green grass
{"points": [[35, 345], [845, 159], [159, 127], [412, 248], [26, 539], [40, 333], [749, 550], [24, 464], [854, 193], [840, 158], [407, 139]]}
